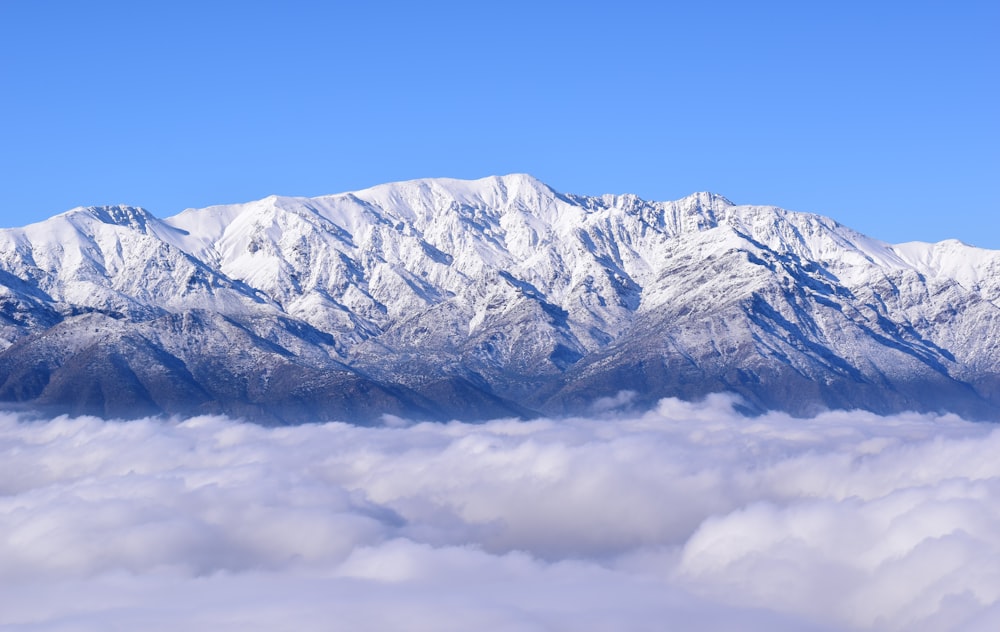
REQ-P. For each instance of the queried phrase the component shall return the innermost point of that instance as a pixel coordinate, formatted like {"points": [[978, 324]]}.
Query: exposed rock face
{"points": [[474, 299]]}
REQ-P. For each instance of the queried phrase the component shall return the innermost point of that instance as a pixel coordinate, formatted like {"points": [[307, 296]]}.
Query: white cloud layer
{"points": [[689, 516]]}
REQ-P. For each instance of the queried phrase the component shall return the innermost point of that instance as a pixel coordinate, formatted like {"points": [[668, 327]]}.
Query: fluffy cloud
{"points": [[688, 516]]}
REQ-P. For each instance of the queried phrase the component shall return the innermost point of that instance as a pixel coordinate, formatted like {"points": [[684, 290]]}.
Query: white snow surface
{"points": [[360, 264]]}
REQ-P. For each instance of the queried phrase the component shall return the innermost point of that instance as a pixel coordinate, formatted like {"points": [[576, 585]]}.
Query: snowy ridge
{"points": [[505, 293], [974, 268]]}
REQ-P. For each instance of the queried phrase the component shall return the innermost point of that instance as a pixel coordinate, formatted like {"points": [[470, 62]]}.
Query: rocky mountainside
{"points": [[472, 299]]}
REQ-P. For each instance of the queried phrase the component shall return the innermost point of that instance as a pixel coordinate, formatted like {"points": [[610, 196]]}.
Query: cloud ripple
{"points": [[688, 516]]}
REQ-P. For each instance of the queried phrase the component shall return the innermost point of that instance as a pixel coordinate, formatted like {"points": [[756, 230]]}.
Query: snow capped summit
{"points": [[130, 216], [499, 295], [974, 268]]}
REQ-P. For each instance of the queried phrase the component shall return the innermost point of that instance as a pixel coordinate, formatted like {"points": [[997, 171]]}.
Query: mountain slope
{"points": [[448, 298]]}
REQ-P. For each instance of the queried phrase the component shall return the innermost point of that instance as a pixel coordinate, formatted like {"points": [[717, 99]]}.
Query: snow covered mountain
{"points": [[447, 298]]}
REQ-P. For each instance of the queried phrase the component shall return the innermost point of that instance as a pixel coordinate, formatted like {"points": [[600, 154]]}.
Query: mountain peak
{"points": [[490, 187], [709, 199], [120, 215], [470, 295], [134, 217]]}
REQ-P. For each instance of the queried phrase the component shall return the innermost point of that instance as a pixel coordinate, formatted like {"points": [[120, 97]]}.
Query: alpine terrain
{"points": [[473, 299]]}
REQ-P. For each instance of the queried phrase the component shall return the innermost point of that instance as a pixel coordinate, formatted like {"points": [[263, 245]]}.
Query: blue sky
{"points": [[883, 115]]}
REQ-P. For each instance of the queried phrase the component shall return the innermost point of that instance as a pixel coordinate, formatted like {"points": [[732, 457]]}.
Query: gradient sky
{"points": [[882, 115]]}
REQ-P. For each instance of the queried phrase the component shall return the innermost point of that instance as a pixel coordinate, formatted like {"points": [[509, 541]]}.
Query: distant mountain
{"points": [[472, 299]]}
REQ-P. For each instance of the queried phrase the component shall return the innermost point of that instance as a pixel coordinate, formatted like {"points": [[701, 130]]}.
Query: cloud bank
{"points": [[688, 516]]}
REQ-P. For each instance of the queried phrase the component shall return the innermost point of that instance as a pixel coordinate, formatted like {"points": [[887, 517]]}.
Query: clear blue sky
{"points": [[883, 115]]}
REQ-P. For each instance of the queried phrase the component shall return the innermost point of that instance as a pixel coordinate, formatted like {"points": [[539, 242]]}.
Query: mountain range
{"points": [[443, 299]]}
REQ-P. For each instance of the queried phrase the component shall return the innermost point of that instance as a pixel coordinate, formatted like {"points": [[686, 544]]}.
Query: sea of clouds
{"points": [[686, 517]]}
